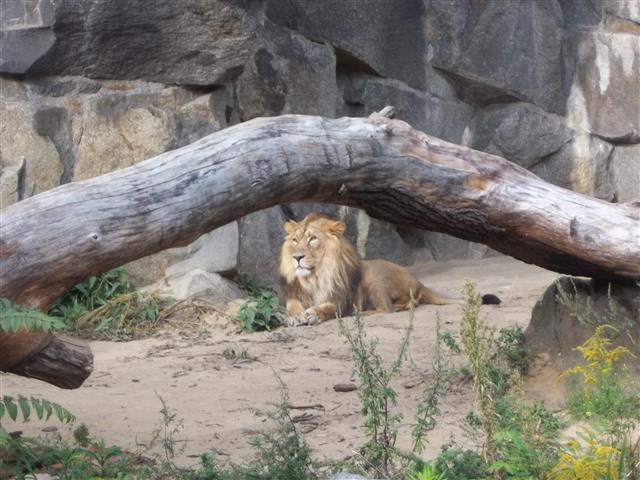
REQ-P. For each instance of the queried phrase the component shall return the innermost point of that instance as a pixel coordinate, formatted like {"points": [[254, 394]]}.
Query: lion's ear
{"points": [[337, 228], [291, 227]]}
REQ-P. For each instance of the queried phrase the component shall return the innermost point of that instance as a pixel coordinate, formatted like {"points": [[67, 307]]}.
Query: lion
{"points": [[323, 277]]}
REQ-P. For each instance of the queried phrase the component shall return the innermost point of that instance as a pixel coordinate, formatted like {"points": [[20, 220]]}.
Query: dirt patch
{"points": [[215, 391]]}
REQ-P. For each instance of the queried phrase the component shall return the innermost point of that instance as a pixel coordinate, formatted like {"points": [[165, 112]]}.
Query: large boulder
{"points": [[520, 132], [445, 118], [558, 326], [187, 42], [287, 73], [582, 165], [496, 51], [29, 162], [625, 170], [198, 284], [603, 97], [381, 37], [260, 238]]}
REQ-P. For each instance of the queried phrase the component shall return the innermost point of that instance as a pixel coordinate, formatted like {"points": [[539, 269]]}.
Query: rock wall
{"points": [[91, 86]]}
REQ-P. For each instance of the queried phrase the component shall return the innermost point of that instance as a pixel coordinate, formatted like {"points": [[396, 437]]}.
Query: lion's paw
{"points": [[311, 317], [296, 321]]}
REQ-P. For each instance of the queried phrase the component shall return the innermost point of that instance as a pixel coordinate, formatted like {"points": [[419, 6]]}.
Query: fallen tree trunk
{"points": [[58, 359], [52, 241]]}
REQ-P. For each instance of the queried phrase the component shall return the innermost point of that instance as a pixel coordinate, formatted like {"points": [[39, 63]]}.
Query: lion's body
{"points": [[323, 276]]}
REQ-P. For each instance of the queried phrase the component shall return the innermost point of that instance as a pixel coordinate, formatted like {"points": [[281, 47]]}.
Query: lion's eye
{"points": [[313, 241], [294, 240]]}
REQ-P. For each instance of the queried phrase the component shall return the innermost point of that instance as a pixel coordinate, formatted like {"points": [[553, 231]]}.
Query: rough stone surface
{"points": [[386, 38], [520, 132], [495, 50], [214, 252], [585, 13], [260, 238], [624, 9], [443, 118], [582, 165], [625, 168], [606, 72], [555, 331], [198, 283], [29, 163], [287, 73], [188, 42]]}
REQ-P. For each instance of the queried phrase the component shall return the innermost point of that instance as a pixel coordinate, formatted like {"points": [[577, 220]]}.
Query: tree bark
{"points": [[53, 240], [58, 359]]}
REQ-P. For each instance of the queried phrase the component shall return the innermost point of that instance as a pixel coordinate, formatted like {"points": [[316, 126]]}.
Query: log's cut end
{"points": [[51, 357]]}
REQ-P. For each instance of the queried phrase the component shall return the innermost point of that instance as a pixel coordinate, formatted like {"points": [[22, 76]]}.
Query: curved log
{"points": [[58, 359], [52, 241]]}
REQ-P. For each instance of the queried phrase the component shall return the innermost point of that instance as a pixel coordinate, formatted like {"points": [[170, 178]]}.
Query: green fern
{"points": [[43, 409], [14, 317]]}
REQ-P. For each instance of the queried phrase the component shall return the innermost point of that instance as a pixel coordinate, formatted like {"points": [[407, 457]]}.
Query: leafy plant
{"points": [[427, 409], [583, 311], [428, 472], [106, 306], [590, 460], [92, 293], [19, 453], [124, 317], [377, 397], [281, 453], [510, 347], [43, 409], [478, 340], [460, 464], [601, 387], [14, 317], [261, 311]]}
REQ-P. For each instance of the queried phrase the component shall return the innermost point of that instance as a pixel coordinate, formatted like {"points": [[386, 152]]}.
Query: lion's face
{"points": [[310, 245]]}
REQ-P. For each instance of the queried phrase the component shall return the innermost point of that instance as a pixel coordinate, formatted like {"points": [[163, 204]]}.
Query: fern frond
{"points": [[15, 317]]}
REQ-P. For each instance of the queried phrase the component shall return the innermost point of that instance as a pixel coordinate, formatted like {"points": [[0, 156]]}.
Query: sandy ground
{"points": [[215, 397]]}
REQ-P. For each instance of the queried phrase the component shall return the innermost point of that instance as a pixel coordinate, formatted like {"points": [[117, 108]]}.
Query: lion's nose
{"points": [[298, 258]]}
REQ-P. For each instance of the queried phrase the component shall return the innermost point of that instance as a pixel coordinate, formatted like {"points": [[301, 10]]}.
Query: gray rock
{"points": [[190, 42], [198, 283], [496, 51], [73, 128], [520, 132], [287, 73], [26, 33], [443, 118], [29, 163], [582, 165], [213, 252], [260, 239], [378, 239], [603, 95], [444, 247], [554, 330], [585, 13], [382, 37], [625, 170], [624, 9], [53, 122]]}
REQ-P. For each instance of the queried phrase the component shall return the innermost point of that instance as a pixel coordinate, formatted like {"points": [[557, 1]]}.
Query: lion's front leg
{"points": [[320, 313], [295, 314]]}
